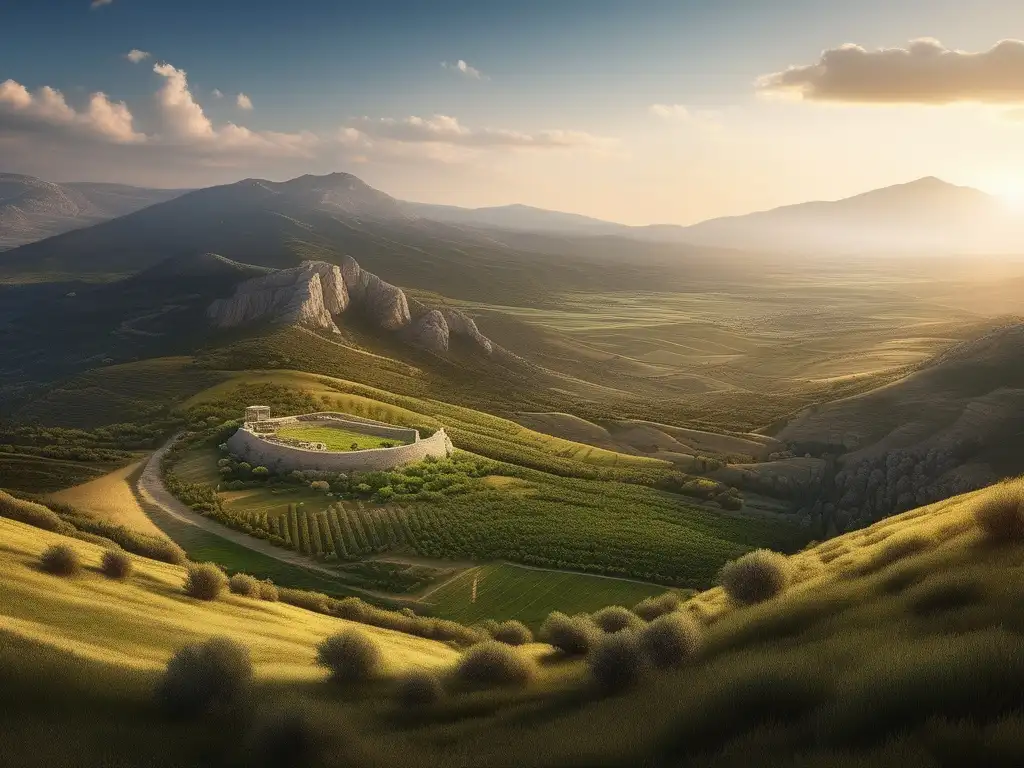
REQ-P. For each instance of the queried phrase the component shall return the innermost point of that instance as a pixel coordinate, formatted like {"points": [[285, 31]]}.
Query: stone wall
{"points": [[285, 458]]}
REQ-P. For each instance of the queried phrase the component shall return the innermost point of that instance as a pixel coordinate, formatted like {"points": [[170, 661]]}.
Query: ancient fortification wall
{"points": [[285, 458]]}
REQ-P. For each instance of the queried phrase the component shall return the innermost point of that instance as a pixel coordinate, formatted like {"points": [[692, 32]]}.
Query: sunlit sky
{"points": [[637, 111]]}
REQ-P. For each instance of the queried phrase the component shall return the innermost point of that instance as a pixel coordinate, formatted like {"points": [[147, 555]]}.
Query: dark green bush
{"points": [[245, 585], [116, 564], [205, 677], [572, 636], [417, 690], [60, 560], [268, 591], [671, 639], [512, 632], [1001, 515], [350, 656], [617, 661], [757, 576], [615, 618], [205, 581], [33, 514], [492, 664], [651, 608]]}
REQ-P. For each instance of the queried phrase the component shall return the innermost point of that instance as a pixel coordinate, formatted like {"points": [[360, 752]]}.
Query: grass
{"points": [[110, 498], [513, 592], [335, 438]]}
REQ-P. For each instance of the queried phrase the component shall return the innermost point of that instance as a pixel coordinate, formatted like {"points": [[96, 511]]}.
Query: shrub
{"points": [[260, 472], [320, 485], [205, 581], [33, 514], [512, 632], [755, 577], [245, 585], [1001, 515], [294, 735], [301, 598], [417, 690], [651, 608], [615, 618], [354, 447], [350, 656], [617, 661], [268, 592], [204, 677], [492, 664], [671, 639], [573, 636], [116, 564], [60, 560]]}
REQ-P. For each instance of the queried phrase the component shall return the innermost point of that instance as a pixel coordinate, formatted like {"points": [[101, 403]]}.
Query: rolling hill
{"points": [[32, 209]]}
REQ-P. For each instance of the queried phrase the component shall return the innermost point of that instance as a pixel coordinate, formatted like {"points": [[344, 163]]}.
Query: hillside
{"points": [[32, 209], [923, 216], [900, 644]]}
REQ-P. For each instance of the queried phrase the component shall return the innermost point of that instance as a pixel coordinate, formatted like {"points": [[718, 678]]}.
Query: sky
{"points": [[638, 111]]}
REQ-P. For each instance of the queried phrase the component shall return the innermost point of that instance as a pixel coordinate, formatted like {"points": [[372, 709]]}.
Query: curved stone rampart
{"points": [[279, 457]]}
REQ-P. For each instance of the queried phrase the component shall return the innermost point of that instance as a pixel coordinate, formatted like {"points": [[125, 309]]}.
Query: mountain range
{"points": [[32, 209]]}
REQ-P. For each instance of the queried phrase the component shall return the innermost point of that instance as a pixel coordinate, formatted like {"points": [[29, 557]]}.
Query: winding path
{"points": [[151, 490]]}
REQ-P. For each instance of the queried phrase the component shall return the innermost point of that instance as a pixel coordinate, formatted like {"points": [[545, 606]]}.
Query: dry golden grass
{"points": [[110, 498], [139, 624]]}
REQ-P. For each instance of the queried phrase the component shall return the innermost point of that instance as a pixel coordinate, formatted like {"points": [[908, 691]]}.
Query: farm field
{"points": [[336, 438], [110, 498], [505, 591]]}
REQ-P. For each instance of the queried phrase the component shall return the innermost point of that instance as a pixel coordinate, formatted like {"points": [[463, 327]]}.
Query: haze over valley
{"points": [[571, 384]]}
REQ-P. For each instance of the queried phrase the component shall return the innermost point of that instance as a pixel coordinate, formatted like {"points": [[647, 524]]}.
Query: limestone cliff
{"points": [[316, 293]]}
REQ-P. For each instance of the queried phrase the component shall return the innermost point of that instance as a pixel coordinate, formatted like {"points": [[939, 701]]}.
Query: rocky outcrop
{"points": [[287, 296], [461, 324], [430, 331], [316, 293]]}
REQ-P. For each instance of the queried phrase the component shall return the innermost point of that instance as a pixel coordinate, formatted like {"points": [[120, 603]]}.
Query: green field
{"points": [[336, 438], [513, 592]]}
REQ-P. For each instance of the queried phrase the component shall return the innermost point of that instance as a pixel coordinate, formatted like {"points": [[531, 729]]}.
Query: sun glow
{"points": [[1010, 191]]}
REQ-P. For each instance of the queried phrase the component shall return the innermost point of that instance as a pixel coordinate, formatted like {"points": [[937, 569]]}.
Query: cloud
{"points": [[442, 129], [244, 102], [216, 93], [463, 68], [135, 55], [99, 3], [46, 111], [925, 72]]}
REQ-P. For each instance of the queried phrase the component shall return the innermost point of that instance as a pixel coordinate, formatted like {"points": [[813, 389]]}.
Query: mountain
{"points": [[517, 217], [922, 216], [32, 209]]}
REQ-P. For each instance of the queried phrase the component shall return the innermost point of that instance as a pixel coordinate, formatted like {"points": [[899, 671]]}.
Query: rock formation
{"points": [[316, 293]]}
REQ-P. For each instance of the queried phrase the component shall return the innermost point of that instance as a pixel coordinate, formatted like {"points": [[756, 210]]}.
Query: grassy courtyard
{"points": [[335, 438]]}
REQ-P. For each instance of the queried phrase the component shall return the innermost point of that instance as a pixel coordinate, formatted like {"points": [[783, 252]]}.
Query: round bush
{"points": [[757, 576], [418, 690], [615, 618], [205, 581], [60, 560], [350, 656], [617, 661], [493, 664], [203, 677], [512, 632], [572, 636], [671, 639], [117, 564], [1001, 515], [651, 608], [268, 591], [245, 585]]}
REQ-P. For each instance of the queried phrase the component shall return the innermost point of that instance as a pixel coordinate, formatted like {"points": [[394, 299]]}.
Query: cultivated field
{"points": [[110, 498]]}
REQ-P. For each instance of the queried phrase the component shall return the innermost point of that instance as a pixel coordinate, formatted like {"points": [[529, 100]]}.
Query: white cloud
{"points": [[671, 111], [47, 111], [443, 129], [925, 72], [216, 93], [244, 102], [182, 115], [135, 55], [464, 69], [709, 119], [99, 3]]}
